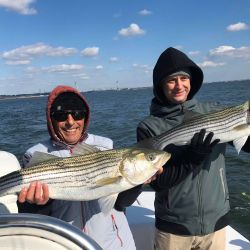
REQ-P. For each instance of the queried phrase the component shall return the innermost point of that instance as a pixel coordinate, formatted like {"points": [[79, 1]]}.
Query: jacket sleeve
{"points": [[127, 198], [175, 170], [35, 209]]}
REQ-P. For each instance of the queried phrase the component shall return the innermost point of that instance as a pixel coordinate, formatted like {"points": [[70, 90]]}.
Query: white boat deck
{"points": [[141, 220]]}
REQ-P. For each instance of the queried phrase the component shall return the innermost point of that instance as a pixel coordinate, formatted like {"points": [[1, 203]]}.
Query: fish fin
{"points": [[239, 143], [39, 157], [107, 181], [107, 203], [84, 148]]}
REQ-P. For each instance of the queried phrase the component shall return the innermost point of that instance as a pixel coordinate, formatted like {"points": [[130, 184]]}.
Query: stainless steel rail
{"points": [[32, 231]]}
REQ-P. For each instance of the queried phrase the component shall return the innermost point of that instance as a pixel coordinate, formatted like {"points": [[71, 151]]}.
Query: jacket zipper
{"points": [[222, 182], [84, 226]]}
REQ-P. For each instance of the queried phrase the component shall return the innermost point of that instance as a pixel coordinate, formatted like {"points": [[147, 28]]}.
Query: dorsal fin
{"points": [[39, 157], [83, 148]]}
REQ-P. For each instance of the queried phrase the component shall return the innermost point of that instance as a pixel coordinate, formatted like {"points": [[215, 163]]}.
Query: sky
{"points": [[109, 44]]}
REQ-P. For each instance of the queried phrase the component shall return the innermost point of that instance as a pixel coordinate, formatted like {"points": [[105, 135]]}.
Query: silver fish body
{"points": [[89, 176], [229, 124]]}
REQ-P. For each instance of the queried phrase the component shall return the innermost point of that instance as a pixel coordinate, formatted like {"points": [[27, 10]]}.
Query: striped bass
{"points": [[89, 176], [229, 124]]}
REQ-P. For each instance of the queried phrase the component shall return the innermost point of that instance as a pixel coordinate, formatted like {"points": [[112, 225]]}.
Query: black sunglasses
{"points": [[61, 116]]}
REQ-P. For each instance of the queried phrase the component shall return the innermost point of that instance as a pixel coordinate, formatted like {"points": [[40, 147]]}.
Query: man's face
{"points": [[176, 88], [70, 130]]}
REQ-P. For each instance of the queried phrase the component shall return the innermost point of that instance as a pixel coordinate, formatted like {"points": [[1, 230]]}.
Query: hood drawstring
{"points": [[115, 227]]}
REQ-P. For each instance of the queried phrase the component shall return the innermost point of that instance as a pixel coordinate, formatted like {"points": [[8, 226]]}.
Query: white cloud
{"points": [[91, 51], [132, 30], [113, 59], [230, 51], [140, 66], [82, 76], [27, 53], [194, 53], [18, 62], [19, 6], [210, 64], [31, 69], [99, 67], [145, 12], [237, 26], [63, 68]]}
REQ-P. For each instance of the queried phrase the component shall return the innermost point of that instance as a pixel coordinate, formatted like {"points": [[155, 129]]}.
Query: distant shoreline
{"points": [[36, 95]]}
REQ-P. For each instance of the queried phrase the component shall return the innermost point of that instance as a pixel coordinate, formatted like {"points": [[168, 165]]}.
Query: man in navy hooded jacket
{"points": [[192, 200]]}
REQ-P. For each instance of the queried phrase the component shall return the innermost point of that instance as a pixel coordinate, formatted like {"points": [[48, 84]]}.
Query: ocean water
{"points": [[115, 114]]}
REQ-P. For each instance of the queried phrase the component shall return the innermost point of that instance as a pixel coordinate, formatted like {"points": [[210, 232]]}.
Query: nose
{"points": [[178, 82], [70, 120]]}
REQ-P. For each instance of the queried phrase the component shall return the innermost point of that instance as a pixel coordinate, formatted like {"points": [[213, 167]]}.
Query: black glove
{"points": [[201, 147]]}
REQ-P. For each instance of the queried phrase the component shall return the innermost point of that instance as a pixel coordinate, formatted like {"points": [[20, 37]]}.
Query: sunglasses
{"points": [[61, 116]]}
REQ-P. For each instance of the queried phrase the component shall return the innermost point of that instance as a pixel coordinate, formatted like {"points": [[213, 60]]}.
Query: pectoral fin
{"points": [[107, 181]]}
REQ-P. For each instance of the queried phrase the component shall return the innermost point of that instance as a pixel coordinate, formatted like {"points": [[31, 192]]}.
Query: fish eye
{"points": [[151, 157]]}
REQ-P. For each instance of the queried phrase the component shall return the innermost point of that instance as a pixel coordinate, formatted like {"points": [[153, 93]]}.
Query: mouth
{"points": [[70, 131], [180, 93]]}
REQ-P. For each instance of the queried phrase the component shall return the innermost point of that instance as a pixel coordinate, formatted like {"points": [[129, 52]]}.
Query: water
{"points": [[115, 114]]}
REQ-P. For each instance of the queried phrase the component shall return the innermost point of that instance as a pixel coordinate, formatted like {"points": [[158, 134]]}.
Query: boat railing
{"points": [[40, 232]]}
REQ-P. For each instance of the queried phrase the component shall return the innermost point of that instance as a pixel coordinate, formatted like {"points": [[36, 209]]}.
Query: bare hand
{"points": [[37, 193], [153, 178]]}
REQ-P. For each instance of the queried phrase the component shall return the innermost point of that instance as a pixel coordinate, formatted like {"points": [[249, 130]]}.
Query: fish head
{"points": [[139, 164]]}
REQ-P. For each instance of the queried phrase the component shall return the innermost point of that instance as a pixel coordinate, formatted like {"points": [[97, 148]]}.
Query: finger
{"points": [[38, 192], [215, 142], [45, 195], [194, 140], [201, 136], [22, 195], [30, 197], [208, 139], [159, 171], [147, 181]]}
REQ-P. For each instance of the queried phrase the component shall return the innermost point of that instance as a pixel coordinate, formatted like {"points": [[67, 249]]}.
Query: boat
{"points": [[34, 231], [39, 232], [141, 220]]}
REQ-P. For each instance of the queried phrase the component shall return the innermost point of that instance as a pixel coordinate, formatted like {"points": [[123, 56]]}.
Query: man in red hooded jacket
{"points": [[67, 120]]}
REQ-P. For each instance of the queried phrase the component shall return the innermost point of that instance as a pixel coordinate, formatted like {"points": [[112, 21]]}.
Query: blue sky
{"points": [[105, 44]]}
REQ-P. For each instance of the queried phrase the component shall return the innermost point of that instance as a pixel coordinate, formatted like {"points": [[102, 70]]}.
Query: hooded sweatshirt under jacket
{"points": [[189, 200], [110, 231]]}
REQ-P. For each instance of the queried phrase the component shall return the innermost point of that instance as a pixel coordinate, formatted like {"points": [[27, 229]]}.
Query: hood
{"points": [[170, 61], [51, 98]]}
